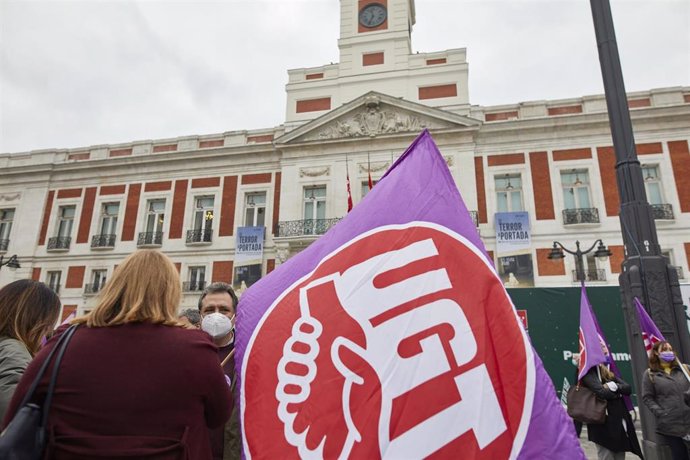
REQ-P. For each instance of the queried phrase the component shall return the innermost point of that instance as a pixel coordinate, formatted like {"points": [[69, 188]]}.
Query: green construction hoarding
{"points": [[552, 317]]}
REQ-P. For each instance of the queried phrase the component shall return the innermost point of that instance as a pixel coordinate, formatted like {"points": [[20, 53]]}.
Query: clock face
{"points": [[372, 15]]}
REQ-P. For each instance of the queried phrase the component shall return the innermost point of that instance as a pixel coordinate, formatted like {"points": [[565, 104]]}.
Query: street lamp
{"points": [[602, 253], [12, 262]]}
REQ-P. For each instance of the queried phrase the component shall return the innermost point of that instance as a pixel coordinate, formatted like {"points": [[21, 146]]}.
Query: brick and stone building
{"points": [[71, 215]]}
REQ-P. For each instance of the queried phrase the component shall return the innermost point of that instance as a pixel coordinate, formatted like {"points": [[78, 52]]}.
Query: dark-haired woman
{"points": [[616, 435], [28, 312], [665, 392]]}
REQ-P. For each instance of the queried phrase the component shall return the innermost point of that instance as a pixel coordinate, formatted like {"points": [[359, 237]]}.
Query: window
{"points": [[508, 193], [109, 214], [652, 184], [155, 216], [53, 280], [108, 228], [63, 237], [576, 189], [315, 203], [6, 218], [255, 209], [197, 279], [365, 187], [314, 210], [202, 221], [98, 279], [65, 221], [203, 213]]}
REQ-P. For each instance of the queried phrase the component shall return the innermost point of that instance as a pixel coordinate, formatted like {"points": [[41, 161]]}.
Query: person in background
{"points": [[616, 435], [133, 382], [665, 391], [190, 318], [218, 305], [28, 312]]}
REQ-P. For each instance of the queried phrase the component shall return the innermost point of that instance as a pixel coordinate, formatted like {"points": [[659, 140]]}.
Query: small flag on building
{"points": [[349, 193], [392, 336]]}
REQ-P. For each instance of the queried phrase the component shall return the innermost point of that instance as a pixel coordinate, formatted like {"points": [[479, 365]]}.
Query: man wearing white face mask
{"points": [[217, 306]]}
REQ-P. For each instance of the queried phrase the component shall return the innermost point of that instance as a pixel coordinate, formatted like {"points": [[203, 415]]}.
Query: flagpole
{"points": [[349, 190], [644, 269]]}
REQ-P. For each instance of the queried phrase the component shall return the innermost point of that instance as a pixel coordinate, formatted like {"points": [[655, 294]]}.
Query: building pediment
{"points": [[375, 114]]}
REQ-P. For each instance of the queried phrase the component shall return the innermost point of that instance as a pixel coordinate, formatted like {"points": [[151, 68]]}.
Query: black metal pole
{"points": [[645, 272], [579, 263]]}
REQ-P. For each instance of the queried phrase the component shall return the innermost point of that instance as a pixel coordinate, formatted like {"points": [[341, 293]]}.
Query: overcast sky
{"points": [[81, 73]]}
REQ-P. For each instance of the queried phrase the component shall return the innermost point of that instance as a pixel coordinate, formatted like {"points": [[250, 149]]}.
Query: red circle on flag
{"points": [[402, 341]]}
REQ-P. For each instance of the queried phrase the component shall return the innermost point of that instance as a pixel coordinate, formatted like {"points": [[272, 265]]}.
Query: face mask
{"points": [[667, 356], [216, 325]]}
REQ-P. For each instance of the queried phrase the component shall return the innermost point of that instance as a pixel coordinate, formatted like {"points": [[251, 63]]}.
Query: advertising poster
{"points": [[512, 233], [249, 255], [513, 241]]}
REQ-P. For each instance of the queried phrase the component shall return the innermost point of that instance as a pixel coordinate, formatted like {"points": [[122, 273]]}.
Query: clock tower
{"points": [[374, 33], [376, 55]]}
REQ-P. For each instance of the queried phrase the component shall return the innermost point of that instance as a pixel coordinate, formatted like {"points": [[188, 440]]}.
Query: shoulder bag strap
{"points": [[30, 393], [53, 378]]}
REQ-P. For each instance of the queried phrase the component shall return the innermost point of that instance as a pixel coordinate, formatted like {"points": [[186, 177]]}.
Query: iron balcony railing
{"points": [[4, 244], [103, 241], [592, 275], [662, 211], [199, 235], [306, 227], [580, 216], [58, 243], [93, 288], [193, 286], [150, 239]]}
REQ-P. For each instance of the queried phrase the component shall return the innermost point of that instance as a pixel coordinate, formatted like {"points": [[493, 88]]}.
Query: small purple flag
{"points": [[604, 344], [392, 336], [650, 333], [591, 340]]}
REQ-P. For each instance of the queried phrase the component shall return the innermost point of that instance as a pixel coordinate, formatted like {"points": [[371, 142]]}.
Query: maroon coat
{"points": [[142, 389]]}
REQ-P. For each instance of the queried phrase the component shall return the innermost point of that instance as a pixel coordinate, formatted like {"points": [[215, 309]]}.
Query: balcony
{"points": [[580, 216], [662, 211], [104, 241], [591, 275], [59, 243], [93, 288], [150, 239], [193, 286], [200, 236], [306, 227], [4, 244]]}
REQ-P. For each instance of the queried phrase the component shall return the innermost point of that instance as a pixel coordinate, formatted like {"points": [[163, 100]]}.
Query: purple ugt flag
{"points": [[591, 340], [603, 344], [392, 336], [650, 333]]}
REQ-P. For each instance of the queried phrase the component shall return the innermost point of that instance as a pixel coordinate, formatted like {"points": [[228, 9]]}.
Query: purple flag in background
{"points": [[608, 357], [650, 333], [392, 336], [591, 339]]}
